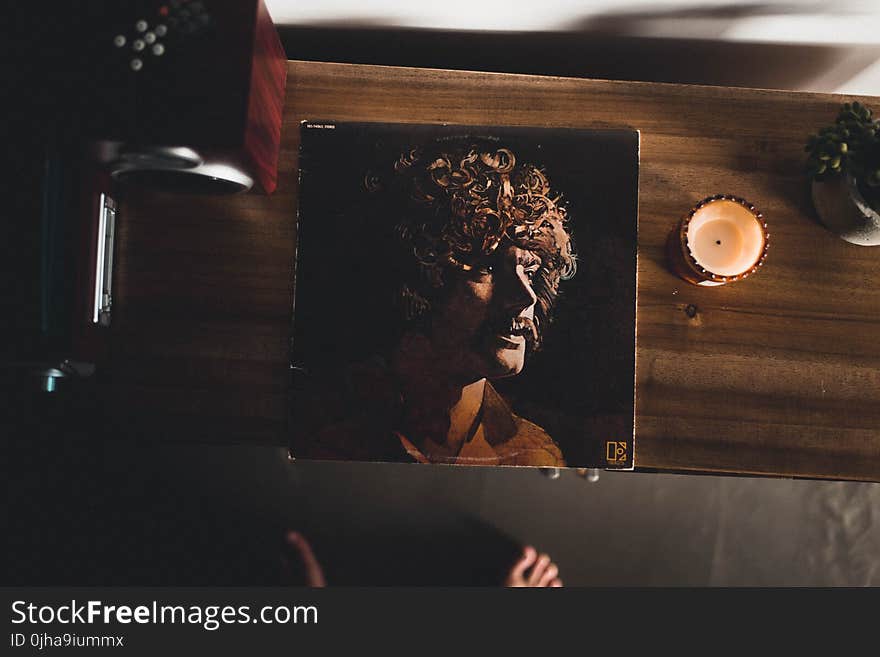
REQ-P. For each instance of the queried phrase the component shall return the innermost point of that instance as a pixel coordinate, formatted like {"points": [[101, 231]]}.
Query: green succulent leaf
{"points": [[850, 145]]}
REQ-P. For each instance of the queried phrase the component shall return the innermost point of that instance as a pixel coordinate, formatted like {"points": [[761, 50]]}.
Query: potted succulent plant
{"points": [[844, 164]]}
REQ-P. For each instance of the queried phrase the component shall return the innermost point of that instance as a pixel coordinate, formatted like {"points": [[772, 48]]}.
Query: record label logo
{"points": [[615, 451]]}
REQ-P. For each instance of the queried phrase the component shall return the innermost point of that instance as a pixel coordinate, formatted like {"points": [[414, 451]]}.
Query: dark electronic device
{"points": [[184, 95], [178, 95]]}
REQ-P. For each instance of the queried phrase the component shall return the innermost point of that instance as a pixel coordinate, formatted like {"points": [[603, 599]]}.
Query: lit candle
{"points": [[723, 239]]}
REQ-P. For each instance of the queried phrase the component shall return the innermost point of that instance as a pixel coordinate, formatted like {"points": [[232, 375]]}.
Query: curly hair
{"points": [[455, 204]]}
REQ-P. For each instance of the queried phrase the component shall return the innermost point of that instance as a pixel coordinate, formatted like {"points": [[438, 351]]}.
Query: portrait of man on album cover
{"points": [[464, 295]]}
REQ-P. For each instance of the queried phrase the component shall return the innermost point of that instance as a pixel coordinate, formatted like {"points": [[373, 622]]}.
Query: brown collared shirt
{"points": [[501, 438]]}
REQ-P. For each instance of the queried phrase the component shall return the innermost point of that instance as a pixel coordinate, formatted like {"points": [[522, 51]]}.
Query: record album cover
{"points": [[465, 295]]}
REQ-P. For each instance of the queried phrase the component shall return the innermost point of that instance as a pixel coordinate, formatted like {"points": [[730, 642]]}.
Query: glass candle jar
{"points": [[722, 239]]}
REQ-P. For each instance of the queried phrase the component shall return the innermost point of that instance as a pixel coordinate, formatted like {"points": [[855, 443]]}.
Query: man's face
{"points": [[480, 328]]}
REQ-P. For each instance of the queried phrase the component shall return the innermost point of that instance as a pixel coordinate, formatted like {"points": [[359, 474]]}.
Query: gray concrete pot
{"points": [[844, 212]]}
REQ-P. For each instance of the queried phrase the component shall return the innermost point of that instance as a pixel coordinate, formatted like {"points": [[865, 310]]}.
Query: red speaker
{"points": [[184, 94]]}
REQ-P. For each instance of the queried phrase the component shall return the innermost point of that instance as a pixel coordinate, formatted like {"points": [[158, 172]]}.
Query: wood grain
{"points": [[265, 100], [778, 374]]}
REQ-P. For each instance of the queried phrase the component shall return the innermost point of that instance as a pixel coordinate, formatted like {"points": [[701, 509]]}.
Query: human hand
{"points": [[533, 570], [297, 554]]}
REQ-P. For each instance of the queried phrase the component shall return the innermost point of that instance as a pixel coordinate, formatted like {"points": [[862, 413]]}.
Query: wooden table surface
{"points": [[778, 374]]}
